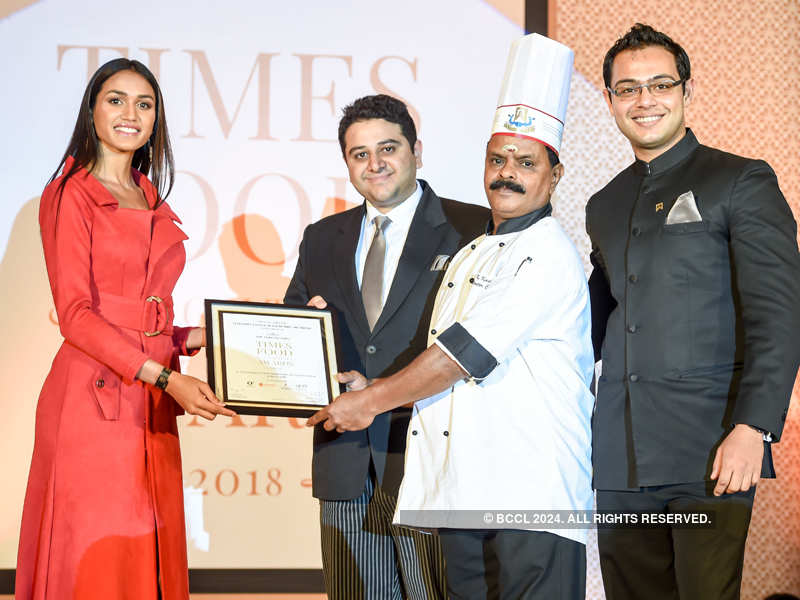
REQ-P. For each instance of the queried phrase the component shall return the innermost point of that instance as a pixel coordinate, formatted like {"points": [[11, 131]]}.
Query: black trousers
{"points": [[669, 563], [505, 564]]}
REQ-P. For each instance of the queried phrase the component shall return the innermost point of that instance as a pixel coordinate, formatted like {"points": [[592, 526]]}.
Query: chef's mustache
{"points": [[507, 183]]}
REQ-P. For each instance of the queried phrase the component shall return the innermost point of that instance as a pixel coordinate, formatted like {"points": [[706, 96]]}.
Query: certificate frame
{"points": [[225, 375]]}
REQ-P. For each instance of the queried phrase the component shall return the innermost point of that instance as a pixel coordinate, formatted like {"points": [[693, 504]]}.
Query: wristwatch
{"points": [[766, 435], [161, 382]]}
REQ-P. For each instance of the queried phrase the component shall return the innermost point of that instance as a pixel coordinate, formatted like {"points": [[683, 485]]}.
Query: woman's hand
{"points": [[196, 338], [195, 396]]}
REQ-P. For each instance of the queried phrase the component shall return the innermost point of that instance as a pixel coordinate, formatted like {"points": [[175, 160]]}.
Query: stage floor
{"points": [[241, 597]]}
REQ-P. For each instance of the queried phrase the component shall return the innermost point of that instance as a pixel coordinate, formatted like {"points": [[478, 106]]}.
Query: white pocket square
{"points": [[684, 210]]}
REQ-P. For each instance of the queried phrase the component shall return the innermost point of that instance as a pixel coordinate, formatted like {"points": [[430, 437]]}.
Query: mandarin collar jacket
{"points": [[696, 322]]}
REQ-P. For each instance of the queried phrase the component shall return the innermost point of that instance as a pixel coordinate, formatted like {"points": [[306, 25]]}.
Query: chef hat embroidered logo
{"points": [[535, 90]]}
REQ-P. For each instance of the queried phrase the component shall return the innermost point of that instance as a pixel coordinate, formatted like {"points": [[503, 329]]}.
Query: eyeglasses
{"points": [[657, 87]]}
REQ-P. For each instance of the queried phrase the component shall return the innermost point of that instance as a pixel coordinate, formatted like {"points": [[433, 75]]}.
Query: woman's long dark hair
{"points": [[84, 146]]}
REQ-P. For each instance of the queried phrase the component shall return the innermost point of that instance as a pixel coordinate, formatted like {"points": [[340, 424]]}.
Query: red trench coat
{"points": [[103, 515]]}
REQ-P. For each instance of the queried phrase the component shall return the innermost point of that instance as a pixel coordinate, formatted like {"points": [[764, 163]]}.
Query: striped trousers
{"points": [[365, 557]]}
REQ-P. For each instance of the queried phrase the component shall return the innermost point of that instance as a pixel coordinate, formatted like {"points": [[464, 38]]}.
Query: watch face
{"points": [[163, 377]]}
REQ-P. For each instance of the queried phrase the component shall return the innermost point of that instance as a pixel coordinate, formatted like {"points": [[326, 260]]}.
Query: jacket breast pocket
{"points": [[686, 228], [106, 389]]}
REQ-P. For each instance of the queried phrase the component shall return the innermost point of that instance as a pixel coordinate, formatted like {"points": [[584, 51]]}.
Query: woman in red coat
{"points": [[103, 515]]}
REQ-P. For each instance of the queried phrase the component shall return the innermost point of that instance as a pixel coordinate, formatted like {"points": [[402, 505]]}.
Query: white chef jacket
{"points": [[517, 436]]}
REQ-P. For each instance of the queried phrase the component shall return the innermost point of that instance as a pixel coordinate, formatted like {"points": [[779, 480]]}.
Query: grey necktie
{"points": [[372, 279]]}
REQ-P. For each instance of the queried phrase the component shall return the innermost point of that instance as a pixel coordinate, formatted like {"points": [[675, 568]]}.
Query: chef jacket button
{"points": [[633, 377], [446, 433], [413, 432], [100, 382], [450, 284], [502, 244], [371, 349], [433, 332], [472, 247], [636, 231], [472, 280], [632, 328], [633, 278]]}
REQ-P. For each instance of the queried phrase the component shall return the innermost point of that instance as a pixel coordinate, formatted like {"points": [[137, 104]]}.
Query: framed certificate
{"points": [[271, 359]]}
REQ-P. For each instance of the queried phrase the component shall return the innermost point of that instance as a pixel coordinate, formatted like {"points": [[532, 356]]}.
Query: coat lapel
{"points": [[424, 237], [166, 233]]}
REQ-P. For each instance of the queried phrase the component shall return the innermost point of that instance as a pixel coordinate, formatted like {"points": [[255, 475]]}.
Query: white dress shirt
{"points": [[515, 435], [395, 233]]}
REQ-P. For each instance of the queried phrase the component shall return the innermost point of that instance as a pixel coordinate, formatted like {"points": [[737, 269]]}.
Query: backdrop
{"points": [[253, 92]]}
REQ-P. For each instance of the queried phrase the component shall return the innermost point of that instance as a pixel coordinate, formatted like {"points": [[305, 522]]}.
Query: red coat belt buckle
{"points": [[158, 313]]}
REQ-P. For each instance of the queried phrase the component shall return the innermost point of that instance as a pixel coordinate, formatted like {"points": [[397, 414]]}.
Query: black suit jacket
{"points": [[699, 322], [326, 267]]}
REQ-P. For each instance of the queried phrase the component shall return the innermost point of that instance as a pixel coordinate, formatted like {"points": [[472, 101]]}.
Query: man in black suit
{"points": [[695, 296], [380, 277]]}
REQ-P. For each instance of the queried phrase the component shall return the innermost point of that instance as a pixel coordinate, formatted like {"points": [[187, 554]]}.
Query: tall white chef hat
{"points": [[535, 90]]}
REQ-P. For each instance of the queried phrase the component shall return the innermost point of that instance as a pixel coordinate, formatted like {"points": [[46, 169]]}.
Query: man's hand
{"points": [[353, 380], [317, 302], [349, 412], [737, 464], [428, 374]]}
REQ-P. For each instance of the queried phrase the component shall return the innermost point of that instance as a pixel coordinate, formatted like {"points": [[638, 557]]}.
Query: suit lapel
{"points": [[344, 266], [424, 237]]}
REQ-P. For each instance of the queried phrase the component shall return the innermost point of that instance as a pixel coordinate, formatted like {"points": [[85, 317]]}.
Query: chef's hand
{"points": [[737, 464], [349, 412]]}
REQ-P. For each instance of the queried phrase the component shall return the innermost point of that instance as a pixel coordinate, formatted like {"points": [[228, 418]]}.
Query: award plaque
{"points": [[271, 359]]}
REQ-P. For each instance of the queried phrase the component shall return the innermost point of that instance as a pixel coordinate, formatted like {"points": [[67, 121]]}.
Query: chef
{"points": [[499, 438]]}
